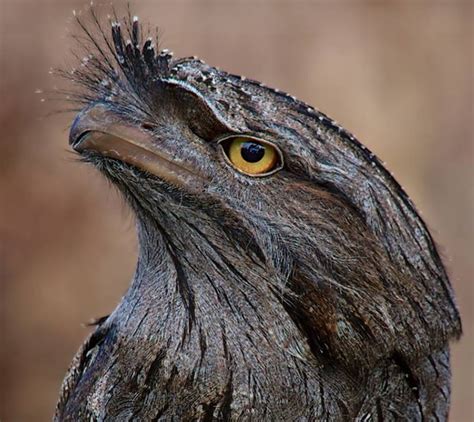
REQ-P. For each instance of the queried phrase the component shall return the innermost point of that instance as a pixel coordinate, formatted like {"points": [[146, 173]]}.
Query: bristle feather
{"points": [[149, 55], [135, 32], [118, 70]]}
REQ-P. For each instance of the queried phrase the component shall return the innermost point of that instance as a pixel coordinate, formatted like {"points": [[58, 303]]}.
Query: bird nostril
{"points": [[79, 140], [147, 126]]}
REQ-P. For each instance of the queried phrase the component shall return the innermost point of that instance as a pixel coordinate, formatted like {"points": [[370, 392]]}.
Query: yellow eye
{"points": [[252, 156]]}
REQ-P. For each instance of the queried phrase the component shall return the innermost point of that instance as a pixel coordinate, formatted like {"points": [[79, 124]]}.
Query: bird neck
{"points": [[197, 269], [193, 287]]}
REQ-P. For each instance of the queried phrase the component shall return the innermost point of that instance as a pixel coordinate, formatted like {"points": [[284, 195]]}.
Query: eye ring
{"points": [[251, 156]]}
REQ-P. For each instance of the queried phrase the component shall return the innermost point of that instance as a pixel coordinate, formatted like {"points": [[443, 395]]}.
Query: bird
{"points": [[283, 274]]}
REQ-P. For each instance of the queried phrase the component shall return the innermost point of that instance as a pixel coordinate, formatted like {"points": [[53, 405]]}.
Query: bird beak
{"points": [[99, 130]]}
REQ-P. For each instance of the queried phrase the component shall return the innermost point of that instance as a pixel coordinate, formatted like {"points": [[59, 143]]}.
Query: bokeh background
{"points": [[399, 74]]}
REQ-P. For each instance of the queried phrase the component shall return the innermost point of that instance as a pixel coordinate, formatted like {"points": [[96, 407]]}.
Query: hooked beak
{"points": [[99, 130]]}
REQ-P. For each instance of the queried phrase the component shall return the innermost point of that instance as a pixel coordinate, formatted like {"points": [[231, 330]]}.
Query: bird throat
{"points": [[197, 317]]}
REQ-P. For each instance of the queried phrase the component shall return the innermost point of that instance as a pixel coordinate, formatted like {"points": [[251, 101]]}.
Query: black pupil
{"points": [[252, 152]]}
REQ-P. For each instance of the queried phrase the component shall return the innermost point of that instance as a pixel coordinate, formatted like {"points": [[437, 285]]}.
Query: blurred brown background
{"points": [[399, 74]]}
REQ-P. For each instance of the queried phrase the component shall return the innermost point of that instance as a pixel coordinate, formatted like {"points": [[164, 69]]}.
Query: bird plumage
{"points": [[315, 293]]}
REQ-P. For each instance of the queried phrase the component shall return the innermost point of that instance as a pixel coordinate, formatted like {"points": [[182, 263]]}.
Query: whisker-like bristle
{"points": [[148, 53], [135, 32], [122, 63], [118, 42], [163, 61]]}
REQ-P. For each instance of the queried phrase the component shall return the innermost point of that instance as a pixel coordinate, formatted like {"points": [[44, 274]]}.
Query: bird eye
{"points": [[252, 156]]}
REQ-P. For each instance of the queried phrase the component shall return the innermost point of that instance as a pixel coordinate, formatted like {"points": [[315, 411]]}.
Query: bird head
{"points": [[265, 208]]}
